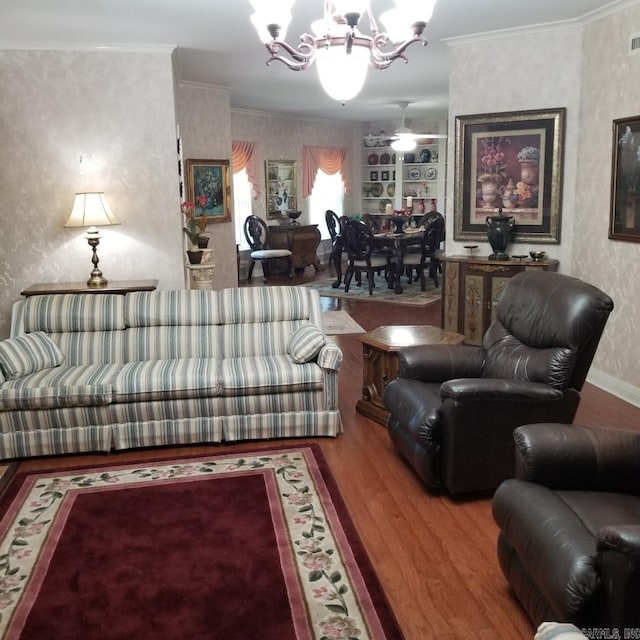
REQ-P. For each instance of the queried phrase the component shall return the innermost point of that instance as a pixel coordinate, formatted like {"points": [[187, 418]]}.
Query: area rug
{"points": [[256, 544], [339, 322], [411, 294]]}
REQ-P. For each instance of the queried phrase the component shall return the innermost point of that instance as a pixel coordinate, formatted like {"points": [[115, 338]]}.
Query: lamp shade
{"points": [[91, 210], [342, 75]]}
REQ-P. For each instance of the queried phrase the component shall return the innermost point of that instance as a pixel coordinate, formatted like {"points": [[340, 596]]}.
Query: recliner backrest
{"points": [[547, 328]]}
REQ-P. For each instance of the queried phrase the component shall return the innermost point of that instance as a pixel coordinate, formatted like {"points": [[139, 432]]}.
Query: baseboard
{"points": [[617, 387]]}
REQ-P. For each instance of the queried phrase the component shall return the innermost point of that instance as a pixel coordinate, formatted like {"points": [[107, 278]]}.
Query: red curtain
{"points": [[243, 157], [329, 159]]}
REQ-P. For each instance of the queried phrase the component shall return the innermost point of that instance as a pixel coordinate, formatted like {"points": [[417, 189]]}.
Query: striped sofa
{"points": [[167, 367]]}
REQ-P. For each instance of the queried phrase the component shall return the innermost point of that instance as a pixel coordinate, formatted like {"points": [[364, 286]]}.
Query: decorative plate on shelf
{"points": [[376, 189], [425, 155], [391, 189], [370, 141], [385, 158], [410, 193], [431, 173], [414, 174], [383, 205], [373, 158]]}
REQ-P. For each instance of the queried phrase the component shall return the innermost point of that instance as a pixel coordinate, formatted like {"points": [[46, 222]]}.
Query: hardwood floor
{"points": [[434, 555]]}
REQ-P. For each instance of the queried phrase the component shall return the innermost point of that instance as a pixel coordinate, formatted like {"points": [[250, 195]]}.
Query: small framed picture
{"points": [[384, 176], [394, 176], [373, 176]]}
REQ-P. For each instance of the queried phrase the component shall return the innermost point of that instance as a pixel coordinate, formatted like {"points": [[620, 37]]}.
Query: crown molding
{"points": [[85, 46], [205, 86], [535, 29]]}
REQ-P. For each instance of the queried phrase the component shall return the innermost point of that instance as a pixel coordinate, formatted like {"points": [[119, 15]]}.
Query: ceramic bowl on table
{"points": [[537, 256]]}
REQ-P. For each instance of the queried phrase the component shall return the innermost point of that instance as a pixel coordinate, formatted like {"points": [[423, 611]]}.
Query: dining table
{"points": [[395, 243]]}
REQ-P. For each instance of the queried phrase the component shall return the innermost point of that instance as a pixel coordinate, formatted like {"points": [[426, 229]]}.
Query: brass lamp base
{"points": [[96, 280]]}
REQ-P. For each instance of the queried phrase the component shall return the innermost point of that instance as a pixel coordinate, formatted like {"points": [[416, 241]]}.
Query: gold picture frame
{"points": [[209, 178], [282, 187], [510, 161]]}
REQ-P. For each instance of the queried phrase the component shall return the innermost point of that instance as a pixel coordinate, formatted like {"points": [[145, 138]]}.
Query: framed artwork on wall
{"points": [[281, 187], [624, 218], [209, 179], [510, 161]]}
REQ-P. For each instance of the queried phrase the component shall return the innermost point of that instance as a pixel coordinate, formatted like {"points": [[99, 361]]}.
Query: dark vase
{"points": [[195, 257], [203, 242], [499, 229]]}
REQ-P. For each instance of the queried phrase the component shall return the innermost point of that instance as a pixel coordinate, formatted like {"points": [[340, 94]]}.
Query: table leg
{"points": [[336, 256]]}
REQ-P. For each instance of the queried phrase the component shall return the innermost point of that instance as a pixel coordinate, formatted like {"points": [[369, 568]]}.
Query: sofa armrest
{"points": [[490, 390], [439, 362], [330, 356], [562, 456]]}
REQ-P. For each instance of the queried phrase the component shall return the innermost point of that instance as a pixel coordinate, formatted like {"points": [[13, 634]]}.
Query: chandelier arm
{"points": [[381, 59], [302, 57]]}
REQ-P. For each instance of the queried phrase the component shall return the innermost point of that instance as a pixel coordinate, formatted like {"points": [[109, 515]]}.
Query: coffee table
{"points": [[380, 361]]}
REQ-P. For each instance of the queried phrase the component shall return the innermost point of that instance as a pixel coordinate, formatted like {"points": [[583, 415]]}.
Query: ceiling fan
{"points": [[402, 139]]}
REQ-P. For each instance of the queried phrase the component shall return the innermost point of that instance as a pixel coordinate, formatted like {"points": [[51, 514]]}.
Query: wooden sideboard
{"points": [[302, 240], [471, 289], [113, 286]]}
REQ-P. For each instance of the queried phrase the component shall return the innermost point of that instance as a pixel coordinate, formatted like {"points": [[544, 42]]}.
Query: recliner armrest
{"points": [[439, 362], [575, 457], [490, 390]]}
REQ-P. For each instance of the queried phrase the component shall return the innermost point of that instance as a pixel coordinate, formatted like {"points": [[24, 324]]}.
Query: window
{"points": [[242, 199], [328, 193]]}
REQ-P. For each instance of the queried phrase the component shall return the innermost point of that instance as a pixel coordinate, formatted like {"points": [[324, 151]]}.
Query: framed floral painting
{"points": [[209, 179], [624, 219], [510, 162]]}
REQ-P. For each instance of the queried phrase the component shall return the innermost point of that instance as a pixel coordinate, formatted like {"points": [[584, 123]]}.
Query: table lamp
{"points": [[92, 210]]}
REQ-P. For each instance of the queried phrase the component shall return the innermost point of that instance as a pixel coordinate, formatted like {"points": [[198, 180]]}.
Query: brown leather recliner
{"points": [[569, 541], [453, 409]]}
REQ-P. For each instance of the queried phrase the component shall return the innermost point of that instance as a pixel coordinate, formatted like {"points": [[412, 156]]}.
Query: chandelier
{"points": [[342, 53]]}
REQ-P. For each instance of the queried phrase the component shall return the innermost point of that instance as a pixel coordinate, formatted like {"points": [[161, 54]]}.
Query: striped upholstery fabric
{"points": [[267, 304], [80, 395], [305, 343], [330, 356], [181, 308], [257, 339], [267, 374], [59, 418], [86, 347], [23, 355], [63, 376], [167, 432], [164, 343], [76, 312], [166, 379], [55, 442]]}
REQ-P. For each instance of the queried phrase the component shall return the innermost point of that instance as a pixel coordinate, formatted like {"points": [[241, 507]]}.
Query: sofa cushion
{"points": [[26, 354], [80, 395], [181, 307], [74, 312], [267, 374], [167, 379], [305, 343]]}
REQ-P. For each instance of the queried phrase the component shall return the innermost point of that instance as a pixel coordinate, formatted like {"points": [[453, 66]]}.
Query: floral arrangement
{"points": [[531, 154], [491, 159], [195, 225]]}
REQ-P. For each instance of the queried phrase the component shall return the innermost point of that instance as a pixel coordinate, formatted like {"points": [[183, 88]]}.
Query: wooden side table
{"points": [[380, 361], [114, 286]]}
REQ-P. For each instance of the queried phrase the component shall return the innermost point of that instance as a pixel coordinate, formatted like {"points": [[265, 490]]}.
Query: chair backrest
{"points": [[546, 329], [432, 234], [333, 224], [256, 233], [358, 240]]}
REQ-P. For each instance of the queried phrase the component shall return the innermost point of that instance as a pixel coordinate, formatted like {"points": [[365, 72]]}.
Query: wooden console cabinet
{"points": [[301, 240], [471, 289]]}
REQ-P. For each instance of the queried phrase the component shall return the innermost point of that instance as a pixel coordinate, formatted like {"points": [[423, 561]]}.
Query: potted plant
{"points": [[192, 231]]}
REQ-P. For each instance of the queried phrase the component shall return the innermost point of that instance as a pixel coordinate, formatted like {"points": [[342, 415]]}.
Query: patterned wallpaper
{"points": [[595, 79], [95, 121]]}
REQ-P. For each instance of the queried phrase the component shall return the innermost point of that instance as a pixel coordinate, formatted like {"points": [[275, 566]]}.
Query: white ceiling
{"points": [[217, 44]]}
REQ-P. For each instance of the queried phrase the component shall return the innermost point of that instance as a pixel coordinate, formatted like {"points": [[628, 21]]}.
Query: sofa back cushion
{"points": [[77, 312], [167, 342], [180, 307]]}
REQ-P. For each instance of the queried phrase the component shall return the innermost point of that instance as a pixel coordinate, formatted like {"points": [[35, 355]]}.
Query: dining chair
{"points": [[428, 256], [257, 234], [336, 225], [358, 244]]}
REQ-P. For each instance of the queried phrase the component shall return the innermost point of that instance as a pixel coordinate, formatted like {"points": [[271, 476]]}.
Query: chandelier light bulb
{"points": [[405, 142], [342, 75]]}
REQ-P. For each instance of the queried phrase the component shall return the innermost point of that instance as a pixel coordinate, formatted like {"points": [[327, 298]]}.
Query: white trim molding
{"points": [[612, 385]]}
